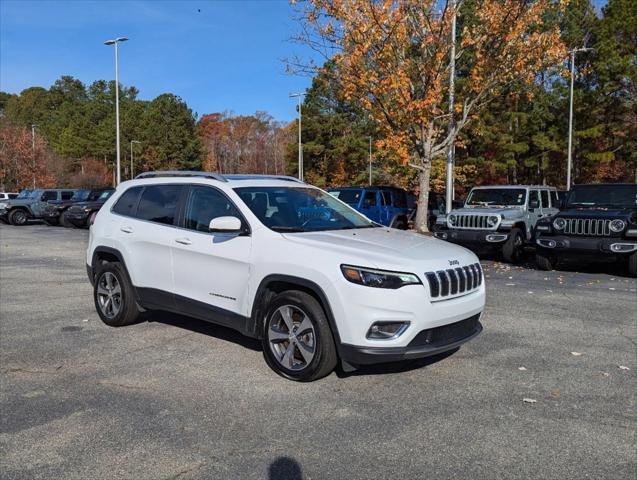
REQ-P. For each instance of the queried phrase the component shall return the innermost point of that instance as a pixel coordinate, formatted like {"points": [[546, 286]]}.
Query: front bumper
{"points": [[473, 237], [51, 215], [427, 343], [563, 244], [77, 218]]}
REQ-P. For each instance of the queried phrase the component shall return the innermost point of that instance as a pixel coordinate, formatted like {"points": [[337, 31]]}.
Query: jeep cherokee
{"points": [[284, 262]]}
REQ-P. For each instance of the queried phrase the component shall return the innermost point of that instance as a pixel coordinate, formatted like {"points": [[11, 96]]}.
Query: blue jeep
{"points": [[388, 206]]}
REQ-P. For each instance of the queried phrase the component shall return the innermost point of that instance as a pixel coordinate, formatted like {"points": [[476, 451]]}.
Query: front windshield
{"points": [[618, 196], [492, 197], [104, 195], [348, 196], [80, 195], [300, 209], [24, 194]]}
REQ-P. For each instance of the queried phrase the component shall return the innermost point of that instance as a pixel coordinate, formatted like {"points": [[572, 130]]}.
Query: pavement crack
{"points": [[121, 385], [35, 371]]}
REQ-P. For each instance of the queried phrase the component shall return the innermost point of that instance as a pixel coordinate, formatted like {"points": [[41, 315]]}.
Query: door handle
{"points": [[127, 229], [183, 241]]}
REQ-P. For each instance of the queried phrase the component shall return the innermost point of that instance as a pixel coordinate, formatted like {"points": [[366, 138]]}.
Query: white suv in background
{"points": [[284, 262]]}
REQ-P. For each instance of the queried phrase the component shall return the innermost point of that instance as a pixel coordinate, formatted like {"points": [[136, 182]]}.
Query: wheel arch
{"points": [[108, 254], [276, 283]]}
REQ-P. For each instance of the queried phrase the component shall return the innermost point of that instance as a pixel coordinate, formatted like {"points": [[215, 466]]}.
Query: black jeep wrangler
{"points": [[596, 223], [56, 212]]}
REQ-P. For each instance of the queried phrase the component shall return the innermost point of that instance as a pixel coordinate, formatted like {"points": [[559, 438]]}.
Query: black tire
{"points": [[64, 222], [400, 224], [543, 262], [513, 248], [18, 217], [632, 265], [127, 313], [324, 357], [52, 221]]}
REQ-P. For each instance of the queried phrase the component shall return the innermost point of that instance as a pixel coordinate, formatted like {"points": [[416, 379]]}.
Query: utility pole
{"points": [[370, 161], [570, 117], [299, 96], [452, 86], [33, 150], [116, 42], [131, 157]]}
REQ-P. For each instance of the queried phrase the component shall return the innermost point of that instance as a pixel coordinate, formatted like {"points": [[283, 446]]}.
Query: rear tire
{"points": [[513, 248], [544, 262], [310, 355], [114, 296], [18, 217], [632, 265]]}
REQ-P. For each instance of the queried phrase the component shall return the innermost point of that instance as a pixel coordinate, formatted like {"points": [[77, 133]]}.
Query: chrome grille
{"points": [[454, 281], [472, 222], [592, 227]]}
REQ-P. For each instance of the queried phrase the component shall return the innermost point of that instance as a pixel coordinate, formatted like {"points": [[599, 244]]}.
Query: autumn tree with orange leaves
{"points": [[392, 58]]}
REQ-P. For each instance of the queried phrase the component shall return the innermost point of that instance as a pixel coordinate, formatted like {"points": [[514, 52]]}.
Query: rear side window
{"points": [[533, 196], [555, 202], [545, 199], [400, 199], [385, 197], [49, 195], [67, 195], [127, 203], [158, 203]]}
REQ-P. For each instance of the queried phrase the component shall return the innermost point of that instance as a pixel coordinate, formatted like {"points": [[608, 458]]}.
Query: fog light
{"points": [[623, 247], [387, 330], [442, 235]]}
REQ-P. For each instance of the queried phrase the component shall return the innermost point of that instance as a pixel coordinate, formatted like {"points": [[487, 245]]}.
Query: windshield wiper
{"points": [[286, 229]]}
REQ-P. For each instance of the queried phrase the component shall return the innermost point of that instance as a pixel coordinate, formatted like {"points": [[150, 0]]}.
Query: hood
{"points": [[387, 249], [504, 212], [610, 213], [93, 204]]}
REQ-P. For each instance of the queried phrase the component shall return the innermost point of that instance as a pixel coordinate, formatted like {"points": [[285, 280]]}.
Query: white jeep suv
{"points": [[284, 262]]}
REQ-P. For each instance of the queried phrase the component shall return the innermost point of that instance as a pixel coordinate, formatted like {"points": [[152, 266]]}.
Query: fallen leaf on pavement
{"points": [[529, 400], [623, 367], [576, 354]]}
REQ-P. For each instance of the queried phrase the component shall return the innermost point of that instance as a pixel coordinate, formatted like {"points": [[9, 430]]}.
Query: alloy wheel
{"points": [[109, 295], [292, 337]]}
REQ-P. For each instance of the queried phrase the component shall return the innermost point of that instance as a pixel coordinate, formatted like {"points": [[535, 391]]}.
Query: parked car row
{"points": [[66, 207], [593, 223]]}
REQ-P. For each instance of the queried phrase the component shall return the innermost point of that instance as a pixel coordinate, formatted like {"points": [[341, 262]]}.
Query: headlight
{"points": [[86, 209], [378, 278], [451, 219], [617, 225], [492, 220], [559, 223]]}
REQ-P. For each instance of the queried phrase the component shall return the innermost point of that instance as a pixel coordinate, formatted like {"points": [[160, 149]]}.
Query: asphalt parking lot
{"points": [[546, 391]]}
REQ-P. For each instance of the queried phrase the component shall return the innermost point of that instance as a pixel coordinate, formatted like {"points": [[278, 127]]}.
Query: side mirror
{"points": [[225, 225], [533, 204]]}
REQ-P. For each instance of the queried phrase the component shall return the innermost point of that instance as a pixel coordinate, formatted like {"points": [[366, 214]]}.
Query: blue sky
{"points": [[227, 56]]}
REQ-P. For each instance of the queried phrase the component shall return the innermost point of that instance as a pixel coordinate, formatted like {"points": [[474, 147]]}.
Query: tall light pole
{"points": [[131, 157], [452, 87], [570, 117], [299, 96], [115, 42], [370, 161], [33, 150]]}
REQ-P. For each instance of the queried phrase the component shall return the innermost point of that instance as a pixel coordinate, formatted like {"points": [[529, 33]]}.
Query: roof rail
{"points": [[182, 173], [262, 177]]}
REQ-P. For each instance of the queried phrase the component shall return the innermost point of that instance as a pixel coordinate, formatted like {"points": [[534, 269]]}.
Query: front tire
{"points": [[513, 248], [632, 265], [63, 220], [297, 339], [543, 262], [114, 296], [51, 221], [18, 217]]}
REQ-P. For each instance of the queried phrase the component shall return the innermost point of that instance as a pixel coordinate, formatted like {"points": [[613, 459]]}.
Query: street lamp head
{"points": [[293, 95], [135, 141], [115, 40]]}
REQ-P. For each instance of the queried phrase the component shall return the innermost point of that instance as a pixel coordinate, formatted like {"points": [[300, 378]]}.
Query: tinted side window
{"points": [[127, 203], [555, 202], [533, 196], [49, 195], [545, 199], [369, 200], [67, 195], [158, 203], [204, 204], [13, 195], [385, 197], [400, 199]]}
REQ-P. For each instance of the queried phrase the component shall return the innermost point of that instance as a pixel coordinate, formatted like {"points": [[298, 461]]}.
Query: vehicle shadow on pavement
{"points": [[395, 367], [285, 468], [199, 326]]}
